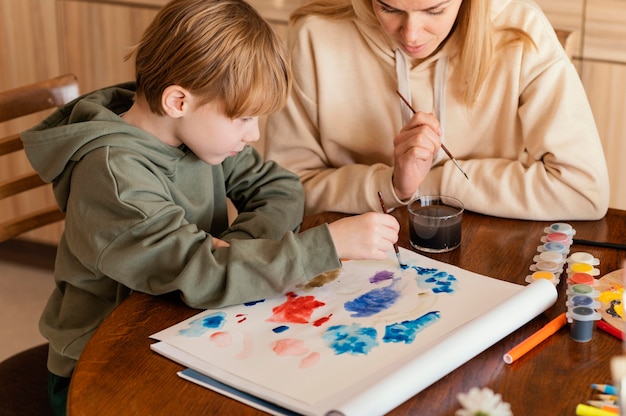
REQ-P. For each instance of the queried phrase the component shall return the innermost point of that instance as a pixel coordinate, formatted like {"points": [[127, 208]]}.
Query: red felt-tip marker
{"points": [[610, 329]]}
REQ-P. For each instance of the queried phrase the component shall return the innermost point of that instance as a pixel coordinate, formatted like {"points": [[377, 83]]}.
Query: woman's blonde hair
{"points": [[473, 21], [220, 50]]}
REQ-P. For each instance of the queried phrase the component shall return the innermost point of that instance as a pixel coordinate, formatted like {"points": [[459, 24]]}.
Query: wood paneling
{"points": [[28, 36], [605, 30], [600, 57], [29, 53], [96, 37], [605, 84], [566, 14]]}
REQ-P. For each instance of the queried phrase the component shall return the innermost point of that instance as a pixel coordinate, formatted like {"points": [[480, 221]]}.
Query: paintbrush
{"points": [[443, 146], [395, 245], [599, 244]]}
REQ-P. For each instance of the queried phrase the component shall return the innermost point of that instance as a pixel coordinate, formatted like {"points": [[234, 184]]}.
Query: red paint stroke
{"points": [[241, 317], [322, 320], [290, 347], [297, 309], [221, 338], [310, 360]]}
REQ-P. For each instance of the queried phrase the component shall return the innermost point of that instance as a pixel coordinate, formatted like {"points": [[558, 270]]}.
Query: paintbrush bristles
{"points": [[395, 245], [443, 146]]}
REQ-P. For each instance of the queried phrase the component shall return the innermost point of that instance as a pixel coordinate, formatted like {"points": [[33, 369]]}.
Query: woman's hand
{"points": [[414, 150]]}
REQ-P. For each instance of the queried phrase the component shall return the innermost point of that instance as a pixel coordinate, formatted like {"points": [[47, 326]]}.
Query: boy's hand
{"points": [[366, 236], [217, 243]]}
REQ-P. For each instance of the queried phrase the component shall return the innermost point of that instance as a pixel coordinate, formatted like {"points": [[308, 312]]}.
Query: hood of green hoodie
{"points": [[92, 121]]}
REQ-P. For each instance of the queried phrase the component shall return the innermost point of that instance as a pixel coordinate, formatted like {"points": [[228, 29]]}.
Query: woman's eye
{"points": [[436, 12], [386, 9]]}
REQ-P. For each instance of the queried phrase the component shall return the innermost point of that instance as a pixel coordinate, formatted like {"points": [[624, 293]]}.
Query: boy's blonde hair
{"points": [[473, 21], [220, 50]]}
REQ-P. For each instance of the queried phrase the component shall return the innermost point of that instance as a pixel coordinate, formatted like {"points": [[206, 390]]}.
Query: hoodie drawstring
{"points": [[404, 87]]}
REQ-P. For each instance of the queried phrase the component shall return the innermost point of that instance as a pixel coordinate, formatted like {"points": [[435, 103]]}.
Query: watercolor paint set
{"points": [[552, 259], [552, 253]]}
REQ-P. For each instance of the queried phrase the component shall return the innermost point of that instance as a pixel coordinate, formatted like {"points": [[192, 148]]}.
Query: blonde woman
{"points": [[487, 78]]}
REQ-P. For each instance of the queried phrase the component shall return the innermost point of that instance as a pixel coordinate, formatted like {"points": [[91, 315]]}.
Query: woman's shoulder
{"points": [[317, 25], [528, 17], [524, 14]]}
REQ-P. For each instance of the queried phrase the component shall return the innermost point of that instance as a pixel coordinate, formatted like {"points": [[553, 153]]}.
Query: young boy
{"points": [[143, 171]]}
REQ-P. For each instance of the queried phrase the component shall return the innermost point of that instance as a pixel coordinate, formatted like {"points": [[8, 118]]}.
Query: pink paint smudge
{"points": [[221, 339], [247, 347], [290, 347], [310, 360], [297, 309]]}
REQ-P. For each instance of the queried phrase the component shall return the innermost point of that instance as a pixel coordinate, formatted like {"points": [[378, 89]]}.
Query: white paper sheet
{"points": [[443, 316]]}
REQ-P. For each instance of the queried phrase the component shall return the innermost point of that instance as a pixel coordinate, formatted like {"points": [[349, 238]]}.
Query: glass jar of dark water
{"points": [[435, 223]]}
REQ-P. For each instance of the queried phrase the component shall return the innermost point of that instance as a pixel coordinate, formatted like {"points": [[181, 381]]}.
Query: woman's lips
{"points": [[415, 50]]}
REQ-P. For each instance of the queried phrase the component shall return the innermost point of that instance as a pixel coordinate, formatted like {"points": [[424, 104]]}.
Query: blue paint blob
{"points": [[421, 271], [281, 328], [201, 326], [254, 302], [435, 280], [372, 302], [381, 276], [406, 331], [353, 339]]}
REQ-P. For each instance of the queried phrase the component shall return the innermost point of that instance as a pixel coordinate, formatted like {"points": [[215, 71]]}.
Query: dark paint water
{"points": [[435, 233]]}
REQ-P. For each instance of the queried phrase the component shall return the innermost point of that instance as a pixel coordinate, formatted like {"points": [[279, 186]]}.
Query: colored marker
{"points": [[606, 397], [585, 410], [606, 388], [609, 407], [610, 329], [535, 339]]}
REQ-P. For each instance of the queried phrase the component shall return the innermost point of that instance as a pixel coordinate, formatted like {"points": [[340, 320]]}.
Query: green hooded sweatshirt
{"points": [[140, 215]]}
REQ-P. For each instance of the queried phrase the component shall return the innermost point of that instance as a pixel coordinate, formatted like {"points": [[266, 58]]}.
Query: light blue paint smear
{"points": [[406, 331], [201, 326], [372, 302], [436, 280], [353, 339]]}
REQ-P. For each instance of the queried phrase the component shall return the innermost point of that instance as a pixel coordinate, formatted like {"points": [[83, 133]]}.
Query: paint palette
{"points": [[611, 288]]}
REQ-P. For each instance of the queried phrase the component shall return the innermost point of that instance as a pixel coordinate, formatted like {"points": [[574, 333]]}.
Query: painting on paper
{"points": [[355, 323]]}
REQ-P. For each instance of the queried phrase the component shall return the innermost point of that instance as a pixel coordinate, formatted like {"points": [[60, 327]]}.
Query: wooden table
{"points": [[119, 374]]}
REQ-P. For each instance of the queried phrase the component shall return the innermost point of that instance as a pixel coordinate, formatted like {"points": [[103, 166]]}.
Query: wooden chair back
{"points": [[16, 103]]}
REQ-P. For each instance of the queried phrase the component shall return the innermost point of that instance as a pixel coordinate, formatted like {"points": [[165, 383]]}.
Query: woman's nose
{"points": [[412, 28]]}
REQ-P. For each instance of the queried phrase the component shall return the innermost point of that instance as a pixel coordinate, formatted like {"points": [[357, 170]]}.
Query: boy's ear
{"points": [[175, 101]]}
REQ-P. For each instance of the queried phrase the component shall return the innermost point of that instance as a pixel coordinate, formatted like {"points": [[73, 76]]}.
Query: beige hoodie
{"points": [[529, 145]]}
